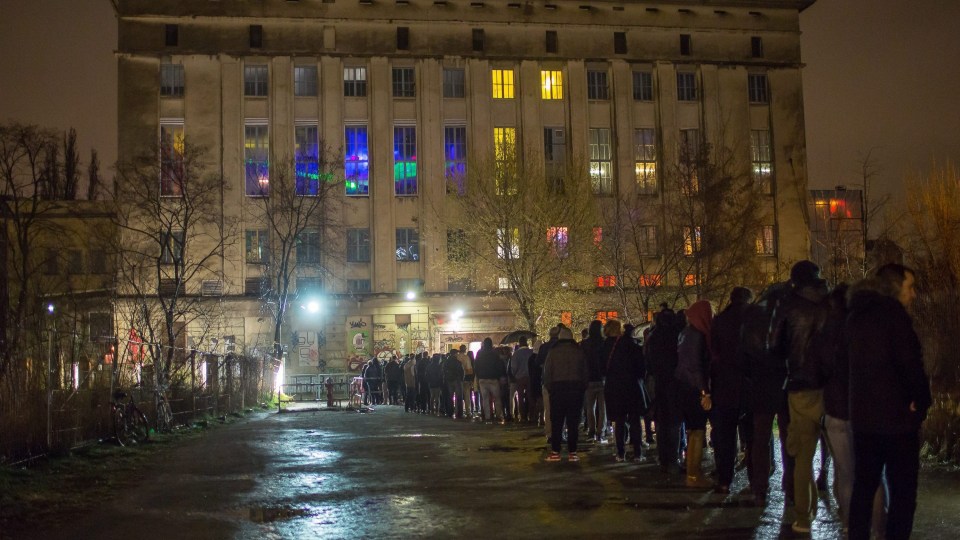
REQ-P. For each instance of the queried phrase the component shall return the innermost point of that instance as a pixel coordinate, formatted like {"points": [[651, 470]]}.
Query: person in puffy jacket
{"points": [[565, 378]]}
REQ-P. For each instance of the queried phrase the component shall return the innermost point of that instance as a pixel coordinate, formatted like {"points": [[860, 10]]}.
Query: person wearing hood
{"points": [[794, 325], [693, 374], [727, 384], [889, 398], [622, 389], [593, 401], [565, 378], [489, 368]]}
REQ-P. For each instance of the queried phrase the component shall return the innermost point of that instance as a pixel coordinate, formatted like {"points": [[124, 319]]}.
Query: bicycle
{"points": [[164, 413], [129, 423]]}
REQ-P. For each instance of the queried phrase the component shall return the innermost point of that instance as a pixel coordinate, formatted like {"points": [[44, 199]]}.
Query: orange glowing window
{"points": [[838, 208], [597, 236], [606, 281], [690, 280], [604, 316], [650, 280], [566, 317]]}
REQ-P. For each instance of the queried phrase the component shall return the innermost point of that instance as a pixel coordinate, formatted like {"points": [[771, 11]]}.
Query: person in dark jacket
{"points": [[622, 392], [660, 353], [373, 376], [408, 367], [489, 369], [453, 381], [394, 376], [765, 375], [565, 378], [594, 407], [535, 369], [889, 398], [693, 374], [727, 384], [795, 322], [542, 358], [423, 387], [435, 383]]}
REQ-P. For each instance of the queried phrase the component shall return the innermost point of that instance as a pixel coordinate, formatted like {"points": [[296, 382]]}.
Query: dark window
{"points": [[756, 47], [455, 157], [453, 83], [643, 86], [684, 44], [171, 34], [358, 285], [597, 87], [255, 80], [403, 38], [74, 261], [478, 40], [457, 245], [408, 245], [171, 247], [308, 247], [305, 81], [757, 86], [309, 284], [171, 80], [554, 157], [686, 86], [252, 286], [358, 245], [551, 41], [256, 36], [403, 82], [354, 81], [620, 42], [98, 261], [101, 326]]}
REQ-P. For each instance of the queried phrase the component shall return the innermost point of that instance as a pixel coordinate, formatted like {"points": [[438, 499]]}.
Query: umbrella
{"points": [[514, 337]]}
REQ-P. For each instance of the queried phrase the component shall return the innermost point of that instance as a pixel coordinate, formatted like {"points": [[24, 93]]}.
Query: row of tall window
{"points": [[256, 83], [405, 165], [309, 244]]}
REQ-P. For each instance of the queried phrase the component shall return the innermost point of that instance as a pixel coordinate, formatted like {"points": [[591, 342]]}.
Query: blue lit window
{"points": [[455, 157], [307, 160], [357, 161], [405, 160]]}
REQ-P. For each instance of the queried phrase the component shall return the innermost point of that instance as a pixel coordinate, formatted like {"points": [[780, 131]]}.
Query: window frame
{"points": [[305, 84], [455, 156], [406, 238], [172, 245], [687, 86], [262, 240], [358, 245], [642, 85], [356, 165], [307, 164], [403, 81], [454, 83], [256, 159], [172, 80], [503, 83], [598, 85], [761, 159], [551, 84], [758, 89], [601, 160], [354, 81], [172, 174], [645, 160], [405, 158], [256, 80], [308, 250]]}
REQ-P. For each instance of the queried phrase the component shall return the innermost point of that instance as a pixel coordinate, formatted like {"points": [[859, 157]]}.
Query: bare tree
{"points": [[93, 176], [299, 215], [173, 234], [512, 226]]}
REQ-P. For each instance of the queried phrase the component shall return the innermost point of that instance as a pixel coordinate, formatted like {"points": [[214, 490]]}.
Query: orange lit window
{"points": [[838, 207], [606, 281], [597, 236], [690, 280], [566, 317], [650, 280], [604, 316]]}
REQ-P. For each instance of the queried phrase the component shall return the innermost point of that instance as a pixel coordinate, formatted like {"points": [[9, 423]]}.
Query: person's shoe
{"points": [[618, 458], [573, 457], [639, 458], [797, 527], [592, 434], [553, 457]]}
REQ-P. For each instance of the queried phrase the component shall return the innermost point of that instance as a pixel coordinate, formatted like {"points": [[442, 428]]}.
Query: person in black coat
{"points": [[727, 384], [622, 391], [660, 352], [889, 398], [594, 407]]}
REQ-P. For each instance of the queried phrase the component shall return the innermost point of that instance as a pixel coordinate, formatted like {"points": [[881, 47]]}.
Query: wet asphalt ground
{"points": [[389, 474]]}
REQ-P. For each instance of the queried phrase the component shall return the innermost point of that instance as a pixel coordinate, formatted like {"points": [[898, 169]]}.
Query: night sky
{"points": [[881, 75]]}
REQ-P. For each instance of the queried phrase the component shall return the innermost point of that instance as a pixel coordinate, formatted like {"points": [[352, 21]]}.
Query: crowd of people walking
{"points": [[840, 368]]}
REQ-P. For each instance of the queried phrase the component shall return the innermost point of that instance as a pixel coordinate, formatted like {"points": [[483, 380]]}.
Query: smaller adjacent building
{"points": [[837, 233]]}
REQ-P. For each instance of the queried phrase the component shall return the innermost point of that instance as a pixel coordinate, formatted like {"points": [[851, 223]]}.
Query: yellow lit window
{"points": [[502, 84], [551, 85], [505, 148]]}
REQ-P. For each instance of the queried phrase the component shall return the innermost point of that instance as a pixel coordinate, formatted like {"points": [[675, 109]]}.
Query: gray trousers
{"points": [[594, 408], [840, 439]]}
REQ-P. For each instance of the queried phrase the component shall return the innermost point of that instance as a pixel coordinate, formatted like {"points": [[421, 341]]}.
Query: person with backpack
{"points": [[795, 322]]}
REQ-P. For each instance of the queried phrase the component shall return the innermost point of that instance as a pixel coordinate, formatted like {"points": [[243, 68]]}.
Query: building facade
{"points": [[837, 236], [406, 90]]}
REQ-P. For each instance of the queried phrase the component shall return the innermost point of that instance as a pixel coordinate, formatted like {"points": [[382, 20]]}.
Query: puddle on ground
{"points": [[268, 514]]}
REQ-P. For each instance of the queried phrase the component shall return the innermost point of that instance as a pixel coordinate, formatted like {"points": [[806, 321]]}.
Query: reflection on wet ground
{"points": [[394, 475]]}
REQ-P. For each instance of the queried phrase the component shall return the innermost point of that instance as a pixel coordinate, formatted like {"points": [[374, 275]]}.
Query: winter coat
{"points": [[764, 372], [726, 377], [392, 372], [535, 370], [693, 359], [660, 349], [833, 367], [886, 365], [434, 372], [409, 372], [519, 368], [452, 369], [794, 324], [565, 367], [592, 347], [374, 371], [488, 364], [624, 369]]}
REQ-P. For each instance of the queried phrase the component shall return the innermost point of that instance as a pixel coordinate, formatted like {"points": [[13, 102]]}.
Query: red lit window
{"points": [[566, 317], [690, 279], [597, 236], [651, 280], [558, 237], [604, 316], [606, 281]]}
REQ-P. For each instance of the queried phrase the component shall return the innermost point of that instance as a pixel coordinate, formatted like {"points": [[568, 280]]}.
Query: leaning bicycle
{"points": [[164, 413], [129, 423]]}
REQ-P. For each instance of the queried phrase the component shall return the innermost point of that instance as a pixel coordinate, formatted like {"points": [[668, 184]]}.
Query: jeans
{"points": [[898, 457], [547, 420], [565, 406], [724, 438], [520, 399], [436, 400], [594, 408], [761, 453], [454, 399], [666, 412], [490, 390], [806, 410], [467, 398], [636, 433]]}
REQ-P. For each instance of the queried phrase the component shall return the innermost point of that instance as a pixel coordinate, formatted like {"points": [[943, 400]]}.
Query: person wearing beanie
{"points": [[693, 374], [565, 379]]}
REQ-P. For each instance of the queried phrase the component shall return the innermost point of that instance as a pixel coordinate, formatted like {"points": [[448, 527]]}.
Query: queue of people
{"points": [[841, 368]]}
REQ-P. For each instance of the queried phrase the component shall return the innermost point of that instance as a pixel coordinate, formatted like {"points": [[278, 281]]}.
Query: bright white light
{"points": [[411, 295], [49, 308], [278, 381], [313, 306], [457, 314]]}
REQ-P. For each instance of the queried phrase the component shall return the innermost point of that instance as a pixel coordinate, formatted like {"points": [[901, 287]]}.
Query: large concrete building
{"points": [[409, 88]]}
